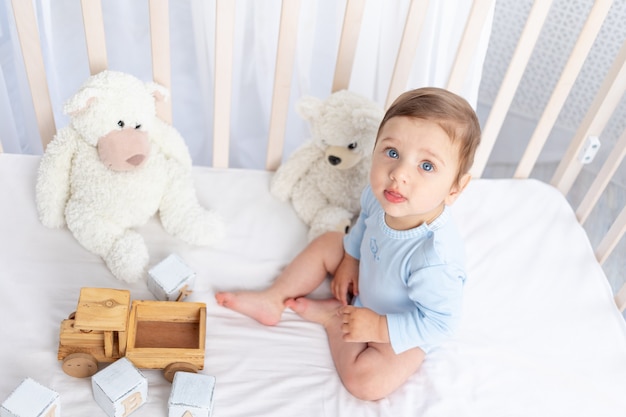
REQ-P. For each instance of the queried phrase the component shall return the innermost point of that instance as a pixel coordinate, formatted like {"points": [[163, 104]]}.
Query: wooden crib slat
{"points": [[160, 43], [406, 51], [603, 178], [598, 115], [287, 40], [93, 24], [511, 81], [620, 298], [224, 45], [563, 87], [347, 44], [612, 237], [28, 34], [469, 44]]}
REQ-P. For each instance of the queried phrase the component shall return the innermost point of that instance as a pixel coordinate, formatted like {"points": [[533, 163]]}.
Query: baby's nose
{"points": [[398, 174]]}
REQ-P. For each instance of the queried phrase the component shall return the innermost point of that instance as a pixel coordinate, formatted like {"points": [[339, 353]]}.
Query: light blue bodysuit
{"points": [[415, 277]]}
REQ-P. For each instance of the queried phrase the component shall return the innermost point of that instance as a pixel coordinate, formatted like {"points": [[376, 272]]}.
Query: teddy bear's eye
{"points": [[352, 146], [138, 126], [120, 123]]}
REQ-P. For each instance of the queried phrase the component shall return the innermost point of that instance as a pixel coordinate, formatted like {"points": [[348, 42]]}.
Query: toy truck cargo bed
{"points": [[163, 332]]}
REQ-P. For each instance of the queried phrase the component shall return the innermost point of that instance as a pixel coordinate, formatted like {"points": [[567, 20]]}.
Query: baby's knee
{"points": [[330, 243], [332, 238]]}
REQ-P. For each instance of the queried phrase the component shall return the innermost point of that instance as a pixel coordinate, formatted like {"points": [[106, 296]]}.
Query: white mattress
{"points": [[540, 334]]}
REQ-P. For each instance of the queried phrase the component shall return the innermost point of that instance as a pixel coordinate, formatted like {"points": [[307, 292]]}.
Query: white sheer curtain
{"points": [[192, 39]]}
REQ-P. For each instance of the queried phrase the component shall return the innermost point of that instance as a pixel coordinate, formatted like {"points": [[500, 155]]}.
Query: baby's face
{"points": [[414, 168]]}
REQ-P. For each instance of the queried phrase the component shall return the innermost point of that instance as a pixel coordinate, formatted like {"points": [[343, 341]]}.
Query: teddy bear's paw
{"points": [[128, 258], [318, 229], [50, 214], [52, 219], [343, 226], [279, 189]]}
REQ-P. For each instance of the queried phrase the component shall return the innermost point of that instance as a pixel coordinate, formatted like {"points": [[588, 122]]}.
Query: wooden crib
{"points": [[542, 333]]}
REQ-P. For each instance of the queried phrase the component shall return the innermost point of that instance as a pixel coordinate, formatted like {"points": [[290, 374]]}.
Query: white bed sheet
{"points": [[540, 334]]}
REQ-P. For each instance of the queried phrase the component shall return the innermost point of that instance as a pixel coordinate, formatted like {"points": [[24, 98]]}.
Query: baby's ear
{"points": [[458, 188]]}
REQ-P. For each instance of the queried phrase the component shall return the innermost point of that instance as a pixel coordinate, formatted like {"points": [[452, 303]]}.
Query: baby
{"points": [[402, 261]]}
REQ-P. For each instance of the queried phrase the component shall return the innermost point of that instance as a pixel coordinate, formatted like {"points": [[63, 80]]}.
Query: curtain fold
{"points": [[192, 47]]}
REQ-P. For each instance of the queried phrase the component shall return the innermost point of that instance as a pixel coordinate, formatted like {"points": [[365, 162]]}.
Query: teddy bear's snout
{"points": [[334, 160], [340, 157], [124, 150]]}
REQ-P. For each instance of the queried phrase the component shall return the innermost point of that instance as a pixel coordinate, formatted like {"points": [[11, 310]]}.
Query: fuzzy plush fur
{"points": [[113, 168], [324, 177]]}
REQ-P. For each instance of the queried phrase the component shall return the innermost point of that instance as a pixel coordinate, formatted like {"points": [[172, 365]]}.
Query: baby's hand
{"points": [[363, 325], [341, 285], [346, 279]]}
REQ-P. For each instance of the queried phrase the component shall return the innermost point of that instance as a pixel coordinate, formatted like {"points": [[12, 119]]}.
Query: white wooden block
{"points": [[167, 278], [120, 388], [191, 395], [31, 399]]}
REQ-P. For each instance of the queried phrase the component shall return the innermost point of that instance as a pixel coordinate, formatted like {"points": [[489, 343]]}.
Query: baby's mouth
{"points": [[393, 196]]}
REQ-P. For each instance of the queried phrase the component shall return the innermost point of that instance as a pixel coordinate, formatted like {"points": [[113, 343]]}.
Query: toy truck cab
{"points": [[166, 335]]}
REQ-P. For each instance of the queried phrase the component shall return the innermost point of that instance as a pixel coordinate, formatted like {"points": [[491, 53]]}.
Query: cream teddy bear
{"points": [[113, 167], [325, 176]]}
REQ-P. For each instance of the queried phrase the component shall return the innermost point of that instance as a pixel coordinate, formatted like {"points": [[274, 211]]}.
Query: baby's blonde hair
{"points": [[450, 111]]}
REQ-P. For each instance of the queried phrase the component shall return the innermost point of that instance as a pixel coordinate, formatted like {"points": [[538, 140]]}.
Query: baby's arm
{"points": [[346, 278], [363, 325], [437, 294]]}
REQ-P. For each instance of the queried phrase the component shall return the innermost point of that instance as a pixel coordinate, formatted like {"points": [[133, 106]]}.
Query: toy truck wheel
{"points": [[80, 365], [172, 368]]}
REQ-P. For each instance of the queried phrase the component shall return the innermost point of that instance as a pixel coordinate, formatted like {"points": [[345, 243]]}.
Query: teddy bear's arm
{"points": [[293, 169], [53, 178]]}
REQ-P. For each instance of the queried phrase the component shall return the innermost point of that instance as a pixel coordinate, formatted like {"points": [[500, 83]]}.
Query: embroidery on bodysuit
{"points": [[374, 248]]}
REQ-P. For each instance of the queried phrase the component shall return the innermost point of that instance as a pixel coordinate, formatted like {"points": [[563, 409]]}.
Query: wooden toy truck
{"points": [[166, 335]]}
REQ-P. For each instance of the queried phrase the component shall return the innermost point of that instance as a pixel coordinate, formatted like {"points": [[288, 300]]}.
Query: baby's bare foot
{"points": [[318, 311], [256, 305]]}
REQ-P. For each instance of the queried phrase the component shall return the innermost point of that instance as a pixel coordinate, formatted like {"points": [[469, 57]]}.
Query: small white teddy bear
{"points": [[113, 167], [325, 176]]}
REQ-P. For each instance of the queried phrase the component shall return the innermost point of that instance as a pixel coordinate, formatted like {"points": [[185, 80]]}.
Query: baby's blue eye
{"points": [[427, 166], [392, 153]]}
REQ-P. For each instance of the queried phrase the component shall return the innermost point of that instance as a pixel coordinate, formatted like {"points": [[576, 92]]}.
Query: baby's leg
{"points": [[373, 371], [303, 275], [369, 371]]}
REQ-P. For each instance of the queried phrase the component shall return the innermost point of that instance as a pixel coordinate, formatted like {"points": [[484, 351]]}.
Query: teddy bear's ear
{"points": [[159, 92], [309, 107], [367, 118], [80, 101]]}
